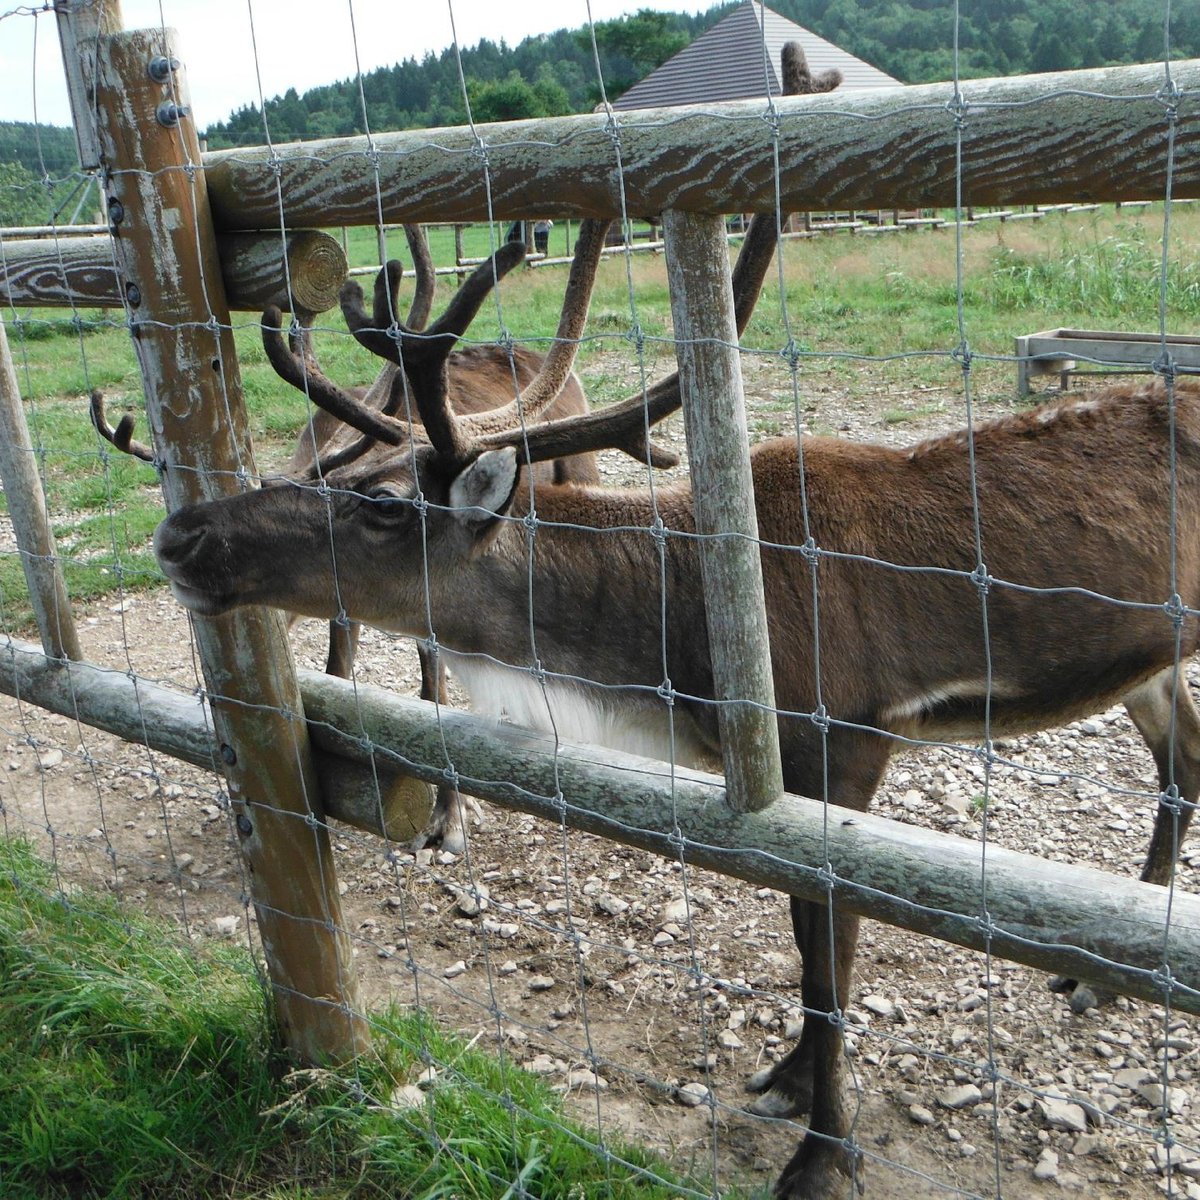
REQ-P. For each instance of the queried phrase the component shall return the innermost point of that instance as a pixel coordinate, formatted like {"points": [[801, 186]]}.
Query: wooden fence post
{"points": [[31, 520], [714, 414], [170, 273]]}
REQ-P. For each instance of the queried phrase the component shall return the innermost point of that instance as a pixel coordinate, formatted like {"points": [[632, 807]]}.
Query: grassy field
{"points": [[137, 1066], [880, 313]]}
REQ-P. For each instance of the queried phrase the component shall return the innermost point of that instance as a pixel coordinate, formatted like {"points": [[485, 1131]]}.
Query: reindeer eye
{"points": [[384, 503]]}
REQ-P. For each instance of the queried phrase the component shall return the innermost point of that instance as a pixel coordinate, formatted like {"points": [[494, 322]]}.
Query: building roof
{"points": [[728, 63]]}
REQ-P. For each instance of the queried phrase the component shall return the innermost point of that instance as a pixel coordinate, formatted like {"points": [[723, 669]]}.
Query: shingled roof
{"points": [[727, 63]]}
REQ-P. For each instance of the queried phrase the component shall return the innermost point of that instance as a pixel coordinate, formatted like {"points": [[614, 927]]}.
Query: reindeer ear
{"points": [[485, 487]]}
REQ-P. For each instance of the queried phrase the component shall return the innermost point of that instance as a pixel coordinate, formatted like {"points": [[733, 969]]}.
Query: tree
{"points": [[631, 47], [512, 99], [23, 198]]}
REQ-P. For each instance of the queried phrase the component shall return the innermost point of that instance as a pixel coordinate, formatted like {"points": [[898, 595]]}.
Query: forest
{"points": [[554, 74]]}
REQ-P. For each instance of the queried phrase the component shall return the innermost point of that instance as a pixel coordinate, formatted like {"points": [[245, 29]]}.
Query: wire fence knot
{"points": [[1169, 96], [1176, 610], [958, 107], [1165, 366]]}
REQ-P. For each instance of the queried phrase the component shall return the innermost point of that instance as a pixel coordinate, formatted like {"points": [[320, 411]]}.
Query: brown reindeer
{"points": [[482, 377], [1074, 513], [1075, 509]]}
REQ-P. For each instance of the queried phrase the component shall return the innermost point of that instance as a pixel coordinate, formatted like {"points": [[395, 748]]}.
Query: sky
{"points": [[301, 43]]}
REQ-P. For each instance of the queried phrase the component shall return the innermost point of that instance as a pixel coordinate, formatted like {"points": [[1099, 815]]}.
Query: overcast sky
{"points": [[301, 43]]}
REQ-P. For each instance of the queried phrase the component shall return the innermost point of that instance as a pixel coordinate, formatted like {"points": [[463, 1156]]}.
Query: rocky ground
{"points": [[649, 993]]}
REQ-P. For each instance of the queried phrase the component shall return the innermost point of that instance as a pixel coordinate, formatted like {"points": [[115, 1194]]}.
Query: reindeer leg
{"points": [[452, 810], [821, 1167], [1150, 708], [343, 645], [810, 1078]]}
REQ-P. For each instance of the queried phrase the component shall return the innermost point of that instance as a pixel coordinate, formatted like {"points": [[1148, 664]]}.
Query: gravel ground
{"points": [[648, 994]]}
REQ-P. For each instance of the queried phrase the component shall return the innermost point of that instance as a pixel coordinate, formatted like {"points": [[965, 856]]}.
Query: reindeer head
{"points": [[404, 500]]}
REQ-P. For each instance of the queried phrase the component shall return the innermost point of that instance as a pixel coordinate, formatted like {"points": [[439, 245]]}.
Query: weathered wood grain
{"points": [[714, 414], [372, 796], [81, 271], [26, 501], [1057, 917], [167, 256], [1069, 136]]}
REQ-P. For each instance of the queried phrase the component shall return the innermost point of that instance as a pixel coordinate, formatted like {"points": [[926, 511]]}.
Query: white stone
{"points": [[963, 1096], [582, 1080], [1063, 1115], [881, 1006], [407, 1096], [613, 905], [1047, 1166], [692, 1095]]}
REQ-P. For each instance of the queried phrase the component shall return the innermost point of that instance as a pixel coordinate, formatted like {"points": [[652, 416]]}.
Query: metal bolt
{"points": [[168, 114], [133, 294], [116, 212], [161, 67], [244, 825], [228, 754]]}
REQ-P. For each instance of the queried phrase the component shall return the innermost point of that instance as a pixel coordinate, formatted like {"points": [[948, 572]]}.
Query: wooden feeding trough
{"points": [[1061, 351]]}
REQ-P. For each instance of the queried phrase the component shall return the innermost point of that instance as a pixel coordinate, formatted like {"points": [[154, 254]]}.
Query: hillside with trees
{"points": [[36, 165]]}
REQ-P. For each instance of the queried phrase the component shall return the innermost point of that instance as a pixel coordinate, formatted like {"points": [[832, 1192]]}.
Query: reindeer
{"points": [[1074, 503], [482, 377]]}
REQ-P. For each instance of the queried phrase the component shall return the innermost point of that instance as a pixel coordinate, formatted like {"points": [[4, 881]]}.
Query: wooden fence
{"points": [[173, 213]]}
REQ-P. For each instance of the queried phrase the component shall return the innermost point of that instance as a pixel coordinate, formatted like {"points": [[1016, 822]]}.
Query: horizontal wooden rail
{"points": [[1075, 920], [372, 796], [1070, 136], [79, 271]]}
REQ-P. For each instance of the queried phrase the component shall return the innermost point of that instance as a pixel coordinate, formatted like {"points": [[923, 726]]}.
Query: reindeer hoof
{"points": [[437, 834], [1080, 996], [447, 828], [821, 1171], [777, 1098]]}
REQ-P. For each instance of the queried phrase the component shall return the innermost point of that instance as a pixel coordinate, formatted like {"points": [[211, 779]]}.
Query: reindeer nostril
{"points": [[175, 540]]}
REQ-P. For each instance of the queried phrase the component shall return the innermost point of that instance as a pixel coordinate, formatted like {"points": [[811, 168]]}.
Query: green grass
{"points": [[877, 313], [134, 1066]]}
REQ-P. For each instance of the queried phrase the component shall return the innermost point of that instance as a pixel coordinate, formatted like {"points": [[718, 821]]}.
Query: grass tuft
{"points": [[132, 1065]]}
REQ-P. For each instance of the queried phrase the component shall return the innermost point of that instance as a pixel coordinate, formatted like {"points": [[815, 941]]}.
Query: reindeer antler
{"points": [[623, 425], [303, 373], [798, 80], [122, 436], [540, 392], [426, 285]]}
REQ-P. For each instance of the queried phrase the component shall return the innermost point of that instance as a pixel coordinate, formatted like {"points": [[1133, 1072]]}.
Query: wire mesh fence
{"points": [[647, 988]]}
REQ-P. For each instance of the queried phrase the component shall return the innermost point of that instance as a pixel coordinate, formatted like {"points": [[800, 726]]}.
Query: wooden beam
{"points": [[714, 414], [26, 500], [369, 794], [1094, 135], [81, 271], [1074, 920], [81, 23], [179, 319]]}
